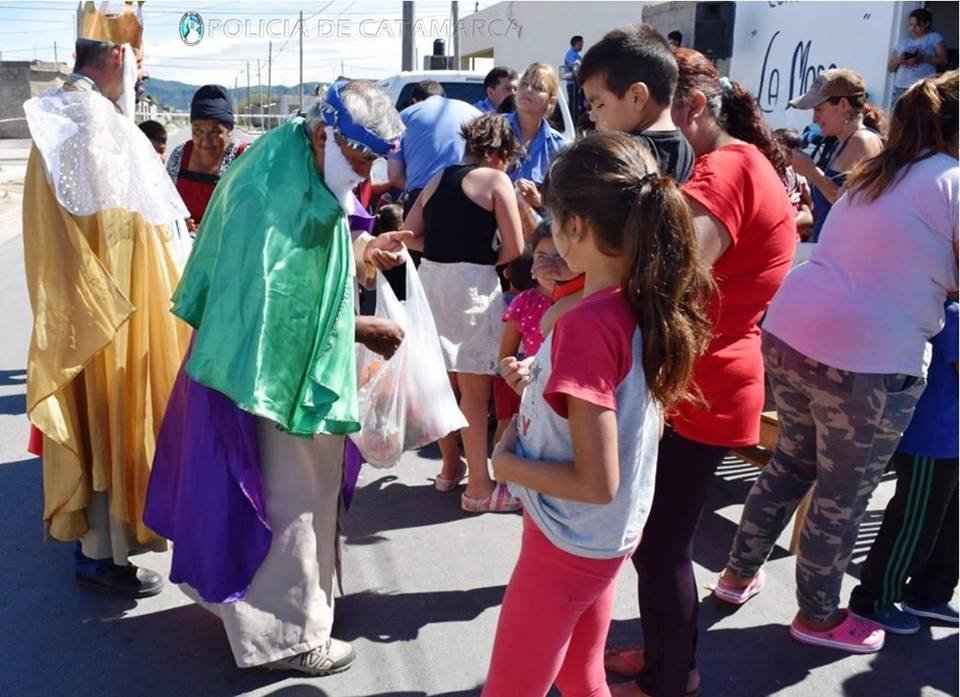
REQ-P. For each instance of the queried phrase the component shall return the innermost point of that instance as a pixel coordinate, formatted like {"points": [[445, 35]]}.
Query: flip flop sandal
{"points": [[444, 484], [628, 662], [499, 501], [738, 596]]}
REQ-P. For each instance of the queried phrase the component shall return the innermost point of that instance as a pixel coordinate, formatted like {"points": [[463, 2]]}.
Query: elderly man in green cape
{"points": [[270, 289]]}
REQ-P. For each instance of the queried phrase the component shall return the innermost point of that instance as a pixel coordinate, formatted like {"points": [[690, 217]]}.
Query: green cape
{"points": [[269, 289]]}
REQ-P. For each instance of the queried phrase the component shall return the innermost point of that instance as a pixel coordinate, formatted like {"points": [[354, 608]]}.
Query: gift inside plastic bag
{"points": [[405, 402]]}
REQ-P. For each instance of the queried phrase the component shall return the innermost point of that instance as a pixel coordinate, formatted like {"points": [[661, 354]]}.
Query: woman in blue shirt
{"points": [[536, 100]]}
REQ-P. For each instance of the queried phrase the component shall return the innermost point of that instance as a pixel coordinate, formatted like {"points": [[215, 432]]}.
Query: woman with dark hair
{"points": [[838, 100], [583, 457], [197, 165], [844, 346], [455, 223], [917, 55], [745, 231]]}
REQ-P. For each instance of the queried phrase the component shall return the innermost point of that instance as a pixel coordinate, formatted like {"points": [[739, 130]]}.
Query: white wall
{"points": [[521, 33], [779, 48]]}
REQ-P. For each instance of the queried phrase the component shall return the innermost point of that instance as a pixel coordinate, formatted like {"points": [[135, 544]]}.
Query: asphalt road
{"points": [[423, 586]]}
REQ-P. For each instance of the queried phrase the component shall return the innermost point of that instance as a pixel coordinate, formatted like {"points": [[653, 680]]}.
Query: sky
{"points": [[358, 39]]}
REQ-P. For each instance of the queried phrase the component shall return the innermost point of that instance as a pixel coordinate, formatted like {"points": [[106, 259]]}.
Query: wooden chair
{"points": [[758, 456]]}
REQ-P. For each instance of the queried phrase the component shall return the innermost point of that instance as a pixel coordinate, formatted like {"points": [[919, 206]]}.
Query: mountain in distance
{"points": [[177, 95]]}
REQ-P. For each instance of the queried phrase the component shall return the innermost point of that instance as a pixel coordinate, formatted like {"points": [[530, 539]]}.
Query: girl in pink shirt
{"points": [[581, 454]]}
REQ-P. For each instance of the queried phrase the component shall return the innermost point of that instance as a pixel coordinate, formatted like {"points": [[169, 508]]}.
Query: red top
{"points": [[574, 285], [592, 351], [740, 188], [196, 188]]}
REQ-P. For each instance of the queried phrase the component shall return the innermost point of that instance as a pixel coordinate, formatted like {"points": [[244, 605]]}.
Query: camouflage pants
{"points": [[838, 430]]}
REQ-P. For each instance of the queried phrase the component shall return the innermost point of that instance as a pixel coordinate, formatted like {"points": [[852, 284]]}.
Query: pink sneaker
{"points": [[853, 634], [738, 596], [499, 501]]}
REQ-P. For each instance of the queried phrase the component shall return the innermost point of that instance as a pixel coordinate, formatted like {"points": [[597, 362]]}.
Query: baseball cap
{"points": [[836, 82]]}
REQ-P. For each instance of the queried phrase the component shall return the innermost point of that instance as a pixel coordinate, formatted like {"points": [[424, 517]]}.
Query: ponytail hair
{"points": [[924, 123], [610, 180], [731, 104]]}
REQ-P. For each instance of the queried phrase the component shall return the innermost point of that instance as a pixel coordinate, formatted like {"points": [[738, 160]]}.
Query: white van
{"points": [[464, 85]]}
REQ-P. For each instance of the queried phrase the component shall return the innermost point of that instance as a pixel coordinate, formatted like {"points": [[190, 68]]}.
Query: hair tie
{"points": [[646, 179], [725, 85]]}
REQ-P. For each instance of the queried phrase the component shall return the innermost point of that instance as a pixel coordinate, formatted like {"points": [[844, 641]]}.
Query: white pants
{"points": [[288, 608]]}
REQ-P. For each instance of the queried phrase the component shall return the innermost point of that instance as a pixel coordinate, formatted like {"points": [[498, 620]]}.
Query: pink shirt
{"points": [[527, 309]]}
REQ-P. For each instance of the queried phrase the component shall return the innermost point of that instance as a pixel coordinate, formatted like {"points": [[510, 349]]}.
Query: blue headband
{"points": [[335, 114]]}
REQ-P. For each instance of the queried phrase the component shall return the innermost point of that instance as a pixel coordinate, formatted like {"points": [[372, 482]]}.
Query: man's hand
{"points": [[382, 336], [386, 251]]}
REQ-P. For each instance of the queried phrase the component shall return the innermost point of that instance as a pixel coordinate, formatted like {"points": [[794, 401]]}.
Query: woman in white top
{"points": [[916, 55], [845, 343]]}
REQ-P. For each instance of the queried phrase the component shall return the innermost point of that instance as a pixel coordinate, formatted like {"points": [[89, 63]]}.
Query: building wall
{"points": [[520, 33], [19, 81], [666, 17]]}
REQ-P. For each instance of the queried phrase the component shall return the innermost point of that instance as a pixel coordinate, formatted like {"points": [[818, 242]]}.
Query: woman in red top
{"points": [[746, 232], [197, 165]]}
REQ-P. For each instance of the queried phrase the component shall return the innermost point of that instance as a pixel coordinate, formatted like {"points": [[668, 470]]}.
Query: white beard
{"points": [[338, 175]]}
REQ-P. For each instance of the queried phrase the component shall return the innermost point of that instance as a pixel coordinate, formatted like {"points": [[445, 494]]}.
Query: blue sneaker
{"points": [[892, 619], [944, 612]]}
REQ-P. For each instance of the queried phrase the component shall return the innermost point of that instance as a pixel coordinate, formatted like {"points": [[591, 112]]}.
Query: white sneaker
{"points": [[334, 656]]}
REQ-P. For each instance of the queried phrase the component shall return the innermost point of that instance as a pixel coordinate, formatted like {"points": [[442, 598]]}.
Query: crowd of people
{"points": [[623, 306]]}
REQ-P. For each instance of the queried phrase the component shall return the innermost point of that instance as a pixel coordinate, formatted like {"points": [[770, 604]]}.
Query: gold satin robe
{"points": [[104, 354]]}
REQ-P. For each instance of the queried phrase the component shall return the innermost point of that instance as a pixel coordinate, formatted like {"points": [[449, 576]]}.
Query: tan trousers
{"points": [[288, 608]]}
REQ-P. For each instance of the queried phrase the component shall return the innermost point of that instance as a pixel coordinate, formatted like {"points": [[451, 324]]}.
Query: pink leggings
{"points": [[553, 623]]}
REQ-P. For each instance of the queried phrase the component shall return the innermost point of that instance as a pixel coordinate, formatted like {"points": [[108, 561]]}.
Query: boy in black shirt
{"points": [[629, 78]]}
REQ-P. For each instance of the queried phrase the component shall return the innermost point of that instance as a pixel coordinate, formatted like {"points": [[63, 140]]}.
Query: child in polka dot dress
{"points": [[522, 335]]}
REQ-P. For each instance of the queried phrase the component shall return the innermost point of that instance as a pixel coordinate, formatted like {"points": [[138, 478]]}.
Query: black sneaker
{"points": [[129, 581]]}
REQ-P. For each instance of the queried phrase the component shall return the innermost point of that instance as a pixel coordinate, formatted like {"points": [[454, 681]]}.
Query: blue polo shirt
{"points": [[432, 141], [533, 163], [572, 56], [485, 106], [933, 432]]}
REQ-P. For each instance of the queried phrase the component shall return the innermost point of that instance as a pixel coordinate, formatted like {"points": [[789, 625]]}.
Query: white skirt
{"points": [[467, 305]]}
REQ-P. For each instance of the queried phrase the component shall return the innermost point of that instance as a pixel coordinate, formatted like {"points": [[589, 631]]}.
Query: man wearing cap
{"points": [[98, 211], [197, 165], [837, 97], [246, 481]]}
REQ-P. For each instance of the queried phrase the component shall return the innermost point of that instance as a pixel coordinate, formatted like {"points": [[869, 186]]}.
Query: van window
{"points": [[470, 92]]}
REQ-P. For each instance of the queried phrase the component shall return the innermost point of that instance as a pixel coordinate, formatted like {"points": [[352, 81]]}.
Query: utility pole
{"points": [[260, 92], [270, 80], [248, 93], [341, 68], [55, 57], [406, 57], [301, 61], [455, 11]]}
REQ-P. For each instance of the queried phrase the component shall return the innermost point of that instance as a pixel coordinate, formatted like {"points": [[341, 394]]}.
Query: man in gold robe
{"points": [[101, 268]]}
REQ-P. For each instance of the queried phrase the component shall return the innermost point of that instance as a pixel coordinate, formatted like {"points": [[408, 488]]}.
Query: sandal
{"points": [[626, 662], [738, 596], [444, 484], [499, 501], [853, 634]]}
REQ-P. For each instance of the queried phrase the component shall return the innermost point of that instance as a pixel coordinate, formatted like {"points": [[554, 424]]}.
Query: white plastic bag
{"points": [[405, 402]]}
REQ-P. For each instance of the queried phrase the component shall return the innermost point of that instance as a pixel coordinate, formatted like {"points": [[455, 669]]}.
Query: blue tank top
{"points": [[821, 206]]}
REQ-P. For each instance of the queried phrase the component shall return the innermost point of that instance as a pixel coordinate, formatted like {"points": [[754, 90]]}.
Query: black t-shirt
{"points": [[673, 152]]}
